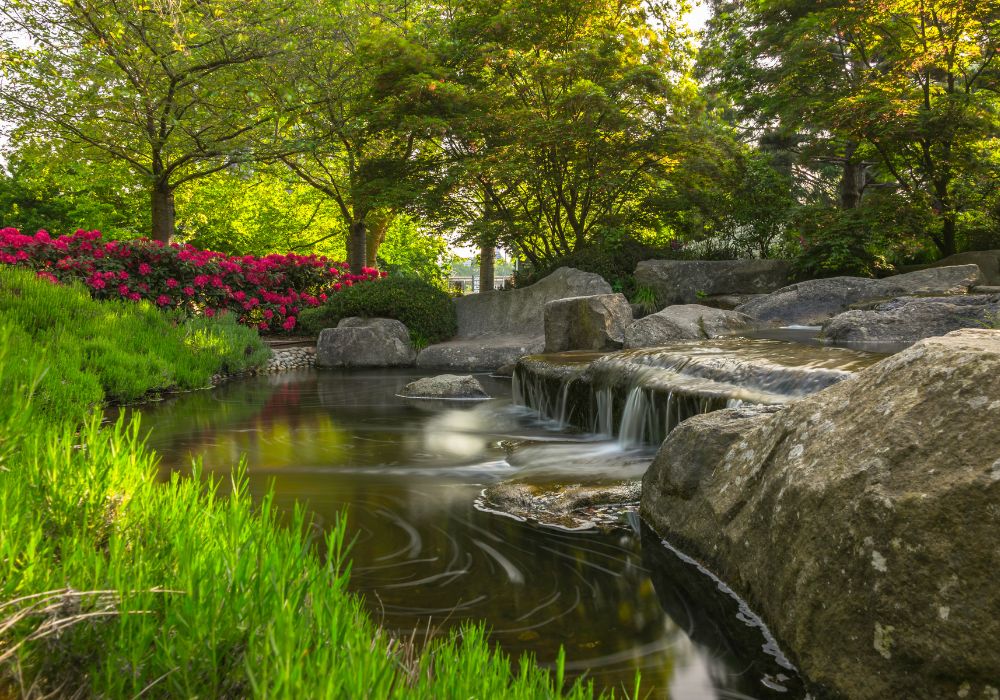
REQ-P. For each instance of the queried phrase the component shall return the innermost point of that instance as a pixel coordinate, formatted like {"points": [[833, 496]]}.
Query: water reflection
{"points": [[408, 477]]}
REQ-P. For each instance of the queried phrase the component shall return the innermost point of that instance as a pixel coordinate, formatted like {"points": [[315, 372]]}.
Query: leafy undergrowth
{"points": [[97, 351], [115, 585]]}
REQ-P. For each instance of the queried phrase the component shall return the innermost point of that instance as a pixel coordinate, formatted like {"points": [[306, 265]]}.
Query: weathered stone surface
{"points": [[496, 328], [860, 521], [814, 301], [522, 311], [684, 281], [595, 322], [575, 507], [697, 447], [479, 354], [727, 301], [365, 342], [987, 260], [684, 322], [445, 386], [909, 319]]}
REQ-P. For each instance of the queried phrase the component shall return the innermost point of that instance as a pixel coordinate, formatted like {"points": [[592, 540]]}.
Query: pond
{"points": [[426, 559]]}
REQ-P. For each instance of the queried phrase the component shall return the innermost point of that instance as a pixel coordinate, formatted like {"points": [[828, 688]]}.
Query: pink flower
{"points": [[162, 300], [289, 323], [144, 269], [172, 283], [209, 312], [123, 289], [189, 291]]}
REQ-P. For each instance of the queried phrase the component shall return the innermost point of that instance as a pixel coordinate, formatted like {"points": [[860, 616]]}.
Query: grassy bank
{"points": [[114, 585]]}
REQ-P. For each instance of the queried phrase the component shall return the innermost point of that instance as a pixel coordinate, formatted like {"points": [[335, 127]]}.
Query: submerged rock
{"points": [[860, 521], [573, 506], [905, 321], [686, 281], [595, 322], [684, 322], [365, 342], [445, 386], [815, 301]]}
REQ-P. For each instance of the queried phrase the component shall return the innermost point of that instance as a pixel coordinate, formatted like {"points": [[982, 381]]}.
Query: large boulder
{"points": [[814, 301], [445, 386], [860, 521], [684, 322], [365, 342], [496, 328], [595, 322], [987, 260], [521, 311], [906, 320], [686, 281]]}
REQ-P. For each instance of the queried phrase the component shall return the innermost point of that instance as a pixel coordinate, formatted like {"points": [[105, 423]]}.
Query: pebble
{"points": [[281, 361]]}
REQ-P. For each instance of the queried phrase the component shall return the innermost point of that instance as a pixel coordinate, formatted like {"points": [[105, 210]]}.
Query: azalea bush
{"points": [[266, 292]]}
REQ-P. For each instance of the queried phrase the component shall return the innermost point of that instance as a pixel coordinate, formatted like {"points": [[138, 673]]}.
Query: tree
{"points": [[371, 92], [902, 95], [169, 89], [570, 117]]}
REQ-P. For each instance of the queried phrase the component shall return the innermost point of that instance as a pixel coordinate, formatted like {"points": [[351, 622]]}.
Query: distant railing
{"points": [[470, 285]]}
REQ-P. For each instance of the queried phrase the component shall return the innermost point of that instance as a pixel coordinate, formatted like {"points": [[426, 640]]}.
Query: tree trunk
{"points": [[486, 267], [852, 181], [357, 248], [162, 199], [948, 228], [379, 222]]}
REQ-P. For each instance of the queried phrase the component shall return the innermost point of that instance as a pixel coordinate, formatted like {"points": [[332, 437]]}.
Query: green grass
{"points": [[112, 350], [114, 585]]}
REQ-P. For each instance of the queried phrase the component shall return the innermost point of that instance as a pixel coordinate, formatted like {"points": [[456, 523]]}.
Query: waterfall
{"points": [[641, 395]]}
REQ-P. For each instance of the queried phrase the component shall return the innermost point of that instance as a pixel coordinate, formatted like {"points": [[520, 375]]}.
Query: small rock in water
{"points": [[445, 386]]}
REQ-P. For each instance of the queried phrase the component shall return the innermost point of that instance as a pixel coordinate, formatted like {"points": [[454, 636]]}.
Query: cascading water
{"points": [[641, 395]]}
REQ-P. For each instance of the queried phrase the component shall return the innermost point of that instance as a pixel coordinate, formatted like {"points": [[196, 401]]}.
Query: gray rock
{"points": [[521, 311], [860, 521], [987, 260], [727, 301], [445, 386], [684, 281], [574, 506], [495, 328], [479, 354], [595, 322], [684, 322], [357, 342], [814, 301], [905, 321]]}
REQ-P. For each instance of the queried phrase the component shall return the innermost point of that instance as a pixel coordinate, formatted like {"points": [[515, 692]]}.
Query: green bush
{"points": [[98, 351], [427, 311]]}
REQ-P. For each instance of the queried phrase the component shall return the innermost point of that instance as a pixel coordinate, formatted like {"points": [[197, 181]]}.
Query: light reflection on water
{"points": [[408, 475]]}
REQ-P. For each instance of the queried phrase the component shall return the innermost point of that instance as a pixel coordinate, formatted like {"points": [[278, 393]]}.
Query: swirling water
{"points": [[424, 558]]}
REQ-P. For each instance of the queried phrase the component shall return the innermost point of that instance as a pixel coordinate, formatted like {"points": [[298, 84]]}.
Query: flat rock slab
{"points": [[521, 311], [860, 521], [684, 322], [365, 342], [686, 281], [595, 322], [905, 321], [479, 354], [813, 302], [445, 386]]}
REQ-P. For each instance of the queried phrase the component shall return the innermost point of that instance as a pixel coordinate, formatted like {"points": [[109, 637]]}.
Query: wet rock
{"points": [[506, 370], [905, 321], [685, 281], [445, 386], [815, 301], [496, 328], [860, 521], [595, 322], [573, 506], [357, 342], [684, 322]]}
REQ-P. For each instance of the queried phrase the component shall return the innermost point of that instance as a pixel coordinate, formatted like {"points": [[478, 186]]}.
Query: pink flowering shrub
{"points": [[268, 292]]}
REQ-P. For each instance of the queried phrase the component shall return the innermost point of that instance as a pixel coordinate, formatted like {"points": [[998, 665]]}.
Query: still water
{"points": [[408, 475]]}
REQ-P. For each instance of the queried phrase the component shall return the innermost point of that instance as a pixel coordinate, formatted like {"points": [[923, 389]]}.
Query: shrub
{"points": [[267, 292], [112, 350], [426, 311]]}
